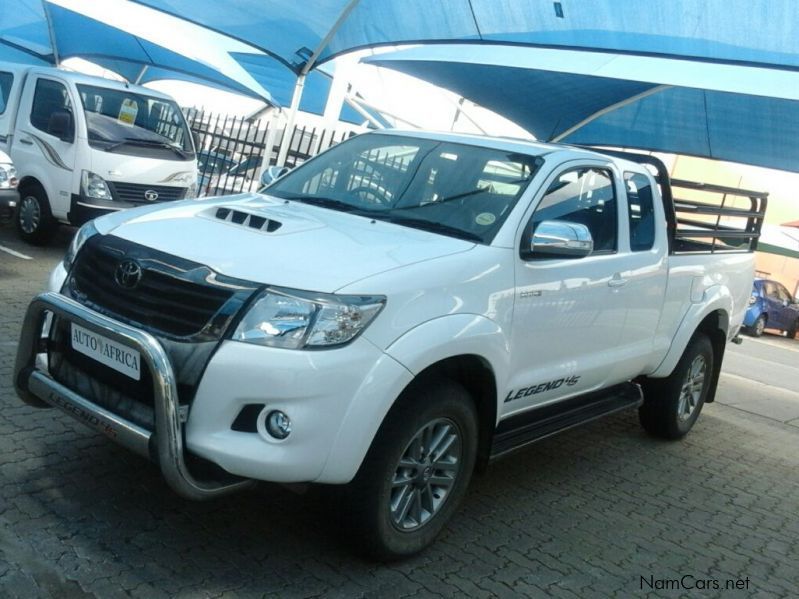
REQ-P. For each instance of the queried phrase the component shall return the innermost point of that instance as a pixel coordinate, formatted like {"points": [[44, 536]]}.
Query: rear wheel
{"points": [[791, 333], [672, 405], [416, 472], [34, 220]]}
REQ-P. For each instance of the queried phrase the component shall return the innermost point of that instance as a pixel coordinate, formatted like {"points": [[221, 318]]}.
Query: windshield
{"points": [[127, 122], [453, 189]]}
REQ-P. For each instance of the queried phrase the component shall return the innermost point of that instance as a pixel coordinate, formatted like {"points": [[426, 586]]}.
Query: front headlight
{"points": [[296, 319], [82, 236], [94, 186], [8, 176], [752, 300]]}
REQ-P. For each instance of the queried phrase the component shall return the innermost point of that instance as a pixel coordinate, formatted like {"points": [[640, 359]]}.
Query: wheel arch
{"points": [[714, 322], [475, 374], [31, 181]]}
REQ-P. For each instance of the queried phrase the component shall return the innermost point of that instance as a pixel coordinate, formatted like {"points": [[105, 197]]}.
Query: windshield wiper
{"points": [[433, 227], [146, 143], [446, 199], [325, 203], [457, 196]]}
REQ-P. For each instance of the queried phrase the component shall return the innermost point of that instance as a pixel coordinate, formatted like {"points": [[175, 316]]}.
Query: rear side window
{"points": [[49, 97], [585, 196], [6, 80], [640, 211]]}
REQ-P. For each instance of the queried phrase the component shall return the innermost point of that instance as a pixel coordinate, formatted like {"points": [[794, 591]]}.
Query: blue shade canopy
{"points": [[755, 31], [24, 31], [728, 112], [272, 74]]}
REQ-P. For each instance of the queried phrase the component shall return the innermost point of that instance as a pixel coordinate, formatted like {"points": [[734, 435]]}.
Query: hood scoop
{"points": [[247, 219]]}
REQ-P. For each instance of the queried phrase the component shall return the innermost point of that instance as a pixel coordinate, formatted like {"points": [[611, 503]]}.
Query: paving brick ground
{"points": [[586, 514]]}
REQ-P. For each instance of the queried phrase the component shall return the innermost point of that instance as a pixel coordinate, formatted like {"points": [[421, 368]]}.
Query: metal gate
{"points": [[231, 149]]}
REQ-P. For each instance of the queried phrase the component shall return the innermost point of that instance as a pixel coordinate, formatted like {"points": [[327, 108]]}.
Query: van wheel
{"points": [[35, 222], [759, 326], [415, 473], [672, 405]]}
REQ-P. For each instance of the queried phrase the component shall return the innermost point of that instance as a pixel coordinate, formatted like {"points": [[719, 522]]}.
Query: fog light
{"points": [[278, 424]]}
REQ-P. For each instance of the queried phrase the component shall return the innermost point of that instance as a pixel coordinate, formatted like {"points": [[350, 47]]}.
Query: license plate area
{"points": [[110, 353], [90, 378]]}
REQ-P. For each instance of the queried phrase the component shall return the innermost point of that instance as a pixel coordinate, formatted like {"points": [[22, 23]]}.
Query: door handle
{"points": [[25, 141], [617, 281]]}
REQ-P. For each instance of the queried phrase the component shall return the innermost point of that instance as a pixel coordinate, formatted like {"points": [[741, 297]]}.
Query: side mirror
{"points": [[557, 238], [272, 174], [195, 137], [61, 125]]}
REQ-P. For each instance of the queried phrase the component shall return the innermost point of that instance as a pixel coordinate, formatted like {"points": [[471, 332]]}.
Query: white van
{"points": [[85, 146]]}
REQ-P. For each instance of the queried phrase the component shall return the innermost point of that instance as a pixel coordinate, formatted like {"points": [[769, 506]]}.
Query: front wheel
{"points": [[672, 405], [35, 222], [416, 472], [759, 326]]}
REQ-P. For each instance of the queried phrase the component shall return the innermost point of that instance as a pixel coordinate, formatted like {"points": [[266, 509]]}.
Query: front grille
{"points": [[137, 193], [173, 296]]}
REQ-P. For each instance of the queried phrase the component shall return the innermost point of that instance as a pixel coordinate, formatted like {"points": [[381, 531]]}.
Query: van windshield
{"points": [[126, 122], [453, 189]]}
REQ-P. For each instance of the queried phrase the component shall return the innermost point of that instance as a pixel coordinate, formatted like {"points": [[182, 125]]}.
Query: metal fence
{"points": [[231, 150]]}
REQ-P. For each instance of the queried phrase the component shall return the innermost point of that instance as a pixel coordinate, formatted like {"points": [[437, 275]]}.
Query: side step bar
{"points": [[37, 388], [533, 425]]}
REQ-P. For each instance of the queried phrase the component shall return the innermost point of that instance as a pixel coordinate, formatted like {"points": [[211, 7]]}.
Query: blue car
{"points": [[771, 307]]}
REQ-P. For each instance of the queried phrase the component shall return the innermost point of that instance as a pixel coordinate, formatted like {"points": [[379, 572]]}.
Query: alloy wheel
{"points": [[692, 388], [425, 474]]}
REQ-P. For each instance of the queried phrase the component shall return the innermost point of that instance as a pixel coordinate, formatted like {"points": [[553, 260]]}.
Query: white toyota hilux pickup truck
{"points": [[392, 315]]}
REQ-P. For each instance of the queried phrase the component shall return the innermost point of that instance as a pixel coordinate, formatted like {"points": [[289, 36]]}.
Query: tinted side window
{"points": [[49, 97], [771, 289], [6, 79], [640, 211], [585, 196]]}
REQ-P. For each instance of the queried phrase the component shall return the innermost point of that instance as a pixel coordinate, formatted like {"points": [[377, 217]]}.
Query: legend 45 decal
{"points": [[535, 389]]}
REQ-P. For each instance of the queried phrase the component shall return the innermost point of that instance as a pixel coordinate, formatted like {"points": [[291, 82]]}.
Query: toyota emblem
{"points": [[127, 274], [151, 195]]}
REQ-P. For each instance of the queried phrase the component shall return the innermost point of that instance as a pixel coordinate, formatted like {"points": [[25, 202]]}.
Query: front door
{"points": [[568, 314], [44, 144]]}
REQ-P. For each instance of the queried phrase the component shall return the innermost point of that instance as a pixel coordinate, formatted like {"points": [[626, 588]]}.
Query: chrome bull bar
{"points": [[39, 389]]}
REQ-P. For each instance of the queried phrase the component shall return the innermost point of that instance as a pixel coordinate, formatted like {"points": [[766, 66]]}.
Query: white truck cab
{"points": [[86, 146], [391, 314]]}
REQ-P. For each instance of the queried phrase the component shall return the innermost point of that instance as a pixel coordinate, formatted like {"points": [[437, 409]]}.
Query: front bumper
{"points": [[9, 198], [752, 313], [82, 210], [165, 445], [336, 400]]}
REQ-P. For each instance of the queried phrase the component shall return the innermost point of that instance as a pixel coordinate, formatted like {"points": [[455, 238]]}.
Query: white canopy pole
{"points": [[51, 32], [141, 74], [608, 109], [309, 64], [289, 130]]}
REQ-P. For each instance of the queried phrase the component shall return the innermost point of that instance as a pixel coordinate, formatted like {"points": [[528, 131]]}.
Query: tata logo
{"points": [[151, 195], [127, 274]]}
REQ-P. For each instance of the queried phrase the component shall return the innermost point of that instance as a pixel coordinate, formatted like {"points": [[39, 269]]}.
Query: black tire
{"points": [[668, 413], [371, 526], [791, 333], [33, 217], [759, 326]]}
